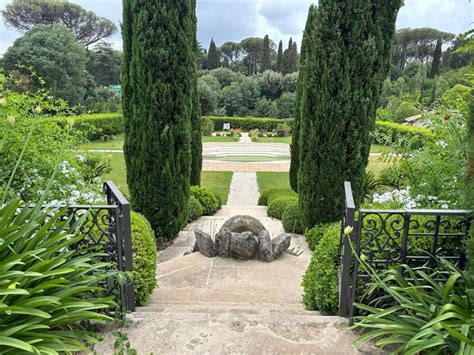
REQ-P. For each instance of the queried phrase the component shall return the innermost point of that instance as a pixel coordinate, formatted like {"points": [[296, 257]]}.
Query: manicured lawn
{"points": [[286, 140], [216, 181], [281, 179], [207, 139], [117, 142], [246, 159], [273, 179], [377, 148]]}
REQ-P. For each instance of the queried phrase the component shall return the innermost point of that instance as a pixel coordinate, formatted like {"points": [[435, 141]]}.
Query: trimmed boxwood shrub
{"points": [[144, 258], [314, 235], [194, 209], [320, 281], [291, 218], [209, 200], [278, 205], [271, 193]]}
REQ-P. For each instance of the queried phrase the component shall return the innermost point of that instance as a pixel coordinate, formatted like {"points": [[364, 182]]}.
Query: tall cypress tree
{"points": [[286, 62], [295, 152], [293, 60], [196, 140], [157, 80], [213, 60], [435, 64], [279, 64], [266, 60], [347, 59]]}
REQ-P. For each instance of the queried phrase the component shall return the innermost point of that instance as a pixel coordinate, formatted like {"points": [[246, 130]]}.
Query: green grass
{"points": [[273, 179], [281, 179], [377, 148], [207, 139], [286, 140], [117, 142], [216, 181]]}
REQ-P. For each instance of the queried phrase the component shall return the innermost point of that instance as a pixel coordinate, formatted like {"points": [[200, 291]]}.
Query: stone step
{"points": [[216, 308]]}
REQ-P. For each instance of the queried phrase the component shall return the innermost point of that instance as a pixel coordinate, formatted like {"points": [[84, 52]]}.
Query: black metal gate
{"points": [[108, 229], [387, 238]]}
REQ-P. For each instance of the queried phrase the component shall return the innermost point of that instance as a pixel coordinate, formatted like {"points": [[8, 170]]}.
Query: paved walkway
{"points": [[226, 306]]}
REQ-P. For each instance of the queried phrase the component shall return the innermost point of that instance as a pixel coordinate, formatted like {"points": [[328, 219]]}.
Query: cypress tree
{"points": [[293, 62], [279, 64], [266, 60], [196, 140], [294, 166], [157, 80], [213, 61], [435, 64], [286, 63], [347, 59]]}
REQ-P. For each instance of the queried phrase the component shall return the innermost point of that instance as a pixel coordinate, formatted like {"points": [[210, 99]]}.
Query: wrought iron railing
{"points": [[107, 229], [388, 238]]}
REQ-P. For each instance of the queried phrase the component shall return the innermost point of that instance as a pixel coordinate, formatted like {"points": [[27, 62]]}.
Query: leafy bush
{"points": [[144, 258], [314, 235], [320, 281], [271, 193], [278, 205], [207, 126], [95, 126], [46, 286], [371, 183], [208, 199], [194, 209], [291, 218], [391, 132], [424, 316]]}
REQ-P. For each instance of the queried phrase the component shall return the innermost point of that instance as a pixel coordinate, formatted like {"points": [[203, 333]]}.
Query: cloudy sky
{"points": [[232, 20]]}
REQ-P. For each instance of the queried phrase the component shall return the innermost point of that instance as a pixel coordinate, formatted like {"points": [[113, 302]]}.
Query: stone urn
{"points": [[244, 238]]}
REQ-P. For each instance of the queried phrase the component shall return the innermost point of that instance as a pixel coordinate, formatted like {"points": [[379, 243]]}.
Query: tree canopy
{"points": [[86, 25], [55, 56]]}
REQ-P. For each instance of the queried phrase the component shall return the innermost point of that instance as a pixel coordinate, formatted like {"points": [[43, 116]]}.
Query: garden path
{"points": [[221, 305]]}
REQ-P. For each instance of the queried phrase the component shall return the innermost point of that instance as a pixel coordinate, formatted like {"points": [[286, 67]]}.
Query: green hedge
{"points": [[144, 258], [277, 206], [314, 235], [320, 281], [248, 124], [271, 193], [209, 200], [395, 131], [95, 126], [194, 209], [291, 218]]}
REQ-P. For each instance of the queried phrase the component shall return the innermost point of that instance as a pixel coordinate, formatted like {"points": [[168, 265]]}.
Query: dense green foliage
{"points": [[47, 288], [209, 200], [342, 78], [295, 151], [320, 281], [87, 27], [314, 235], [277, 206], [424, 316], [104, 64], [55, 56], [194, 209], [213, 58], [291, 218], [247, 124], [144, 258], [196, 122], [157, 87], [94, 126], [271, 193]]}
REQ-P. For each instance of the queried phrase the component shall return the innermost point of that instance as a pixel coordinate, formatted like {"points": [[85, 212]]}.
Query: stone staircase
{"points": [[216, 305]]}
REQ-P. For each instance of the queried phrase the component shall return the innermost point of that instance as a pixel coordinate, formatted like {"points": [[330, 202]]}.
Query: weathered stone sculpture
{"points": [[245, 238]]}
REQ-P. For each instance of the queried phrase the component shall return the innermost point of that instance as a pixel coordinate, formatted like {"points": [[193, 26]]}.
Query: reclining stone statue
{"points": [[242, 237]]}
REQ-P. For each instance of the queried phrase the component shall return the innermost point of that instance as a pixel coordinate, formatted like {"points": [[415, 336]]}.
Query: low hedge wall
{"points": [[395, 131], [97, 126], [248, 124]]}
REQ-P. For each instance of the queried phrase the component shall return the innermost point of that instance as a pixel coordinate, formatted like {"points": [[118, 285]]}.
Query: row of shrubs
{"points": [[282, 204], [202, 202], [100, 126]]}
